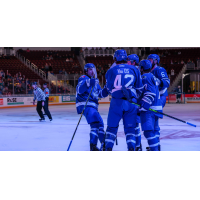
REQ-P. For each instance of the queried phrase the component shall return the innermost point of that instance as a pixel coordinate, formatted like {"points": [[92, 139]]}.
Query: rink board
{"points": [[10, 102]]}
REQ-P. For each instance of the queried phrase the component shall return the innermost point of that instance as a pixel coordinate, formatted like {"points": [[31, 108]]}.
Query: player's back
{"points": [[123, 75]]}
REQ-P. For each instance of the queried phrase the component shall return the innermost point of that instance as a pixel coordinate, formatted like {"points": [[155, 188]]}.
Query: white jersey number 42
{"points": [[118, 81]]}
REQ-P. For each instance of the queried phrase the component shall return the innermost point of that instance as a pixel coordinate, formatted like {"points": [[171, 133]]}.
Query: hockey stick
{"points": [[79, 120], [180, 120], [116, 140]]}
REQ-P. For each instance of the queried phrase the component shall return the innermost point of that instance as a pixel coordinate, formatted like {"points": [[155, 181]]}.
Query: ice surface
{"points": [[20, 129]]}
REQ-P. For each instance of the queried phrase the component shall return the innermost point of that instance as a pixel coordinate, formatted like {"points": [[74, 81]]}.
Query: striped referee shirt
{"points": [[39, 95], [46, 92]]}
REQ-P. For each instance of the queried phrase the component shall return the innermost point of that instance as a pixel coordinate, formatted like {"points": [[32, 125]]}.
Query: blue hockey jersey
{"points": [[151, 93], [161, 74], [82, 93], [123, 75]]}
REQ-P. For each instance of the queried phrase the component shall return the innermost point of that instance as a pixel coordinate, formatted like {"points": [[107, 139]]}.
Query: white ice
{"points": [[20, 129]]}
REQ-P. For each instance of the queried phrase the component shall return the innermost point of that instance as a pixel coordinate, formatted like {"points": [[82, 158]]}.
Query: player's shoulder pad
{"points": [[161, 69], [83, 77], [147, 76]]}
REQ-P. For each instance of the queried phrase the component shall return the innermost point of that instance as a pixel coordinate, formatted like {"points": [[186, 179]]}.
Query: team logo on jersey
{"points": [[83, 76]]}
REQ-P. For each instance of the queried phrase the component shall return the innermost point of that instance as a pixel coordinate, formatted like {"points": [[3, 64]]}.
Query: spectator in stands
{"points": [[29, 88], [64, 72], [71, 59], [1, 93], [50, 67], [67, 90], [42, 68], [27, 50], [47, 57], [46, 69], [172, 62], [81, 73], [59, 90], [172, 72], [179, 53], [67, 60], [20, 79], [23, 85], [198, 59], [28, 82], [2, 74], [189, 61], [52, 72], [60, 71], [5, 91], [19, 89], [43, 58], [175, 62], [182, 62], [1, 83], [23, 78], [51, 57]]}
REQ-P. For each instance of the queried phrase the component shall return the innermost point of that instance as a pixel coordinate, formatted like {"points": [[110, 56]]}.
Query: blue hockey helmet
{"points": [[154, 57], [120, 55], [145, 64], [133, 58], [91, 66]]}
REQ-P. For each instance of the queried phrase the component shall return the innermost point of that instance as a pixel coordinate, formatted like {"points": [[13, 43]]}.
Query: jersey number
{"points": [[118, 81], [163, 74]]}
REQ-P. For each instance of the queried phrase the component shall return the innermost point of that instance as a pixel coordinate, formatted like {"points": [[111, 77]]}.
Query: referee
{"points": [[39, 95], [46, 105]]}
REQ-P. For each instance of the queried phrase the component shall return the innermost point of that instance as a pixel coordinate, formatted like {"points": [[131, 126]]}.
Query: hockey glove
{"points": [[144, 106], [127, 94], [92, 82]]}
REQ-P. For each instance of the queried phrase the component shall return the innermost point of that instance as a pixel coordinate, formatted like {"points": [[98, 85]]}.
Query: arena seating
{"points": [[13, 65], [57, 63]]}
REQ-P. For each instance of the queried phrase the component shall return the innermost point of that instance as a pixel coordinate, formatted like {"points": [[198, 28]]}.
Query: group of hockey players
{"points": [[130, 83], [42, 98]]}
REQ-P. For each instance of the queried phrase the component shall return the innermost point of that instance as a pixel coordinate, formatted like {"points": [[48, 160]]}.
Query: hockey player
{"points": [[122, 75], [46, 105], [39, 95], [162, 79], [161, 75], [133, 59], [85, 84], [150, 99]]}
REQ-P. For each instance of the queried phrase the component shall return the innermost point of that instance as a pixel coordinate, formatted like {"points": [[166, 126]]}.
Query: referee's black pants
{"points": [[39, 109], [46, 108]]}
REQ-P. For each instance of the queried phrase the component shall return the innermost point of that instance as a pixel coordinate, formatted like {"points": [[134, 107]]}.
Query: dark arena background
{"points": [[60, 68]]}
